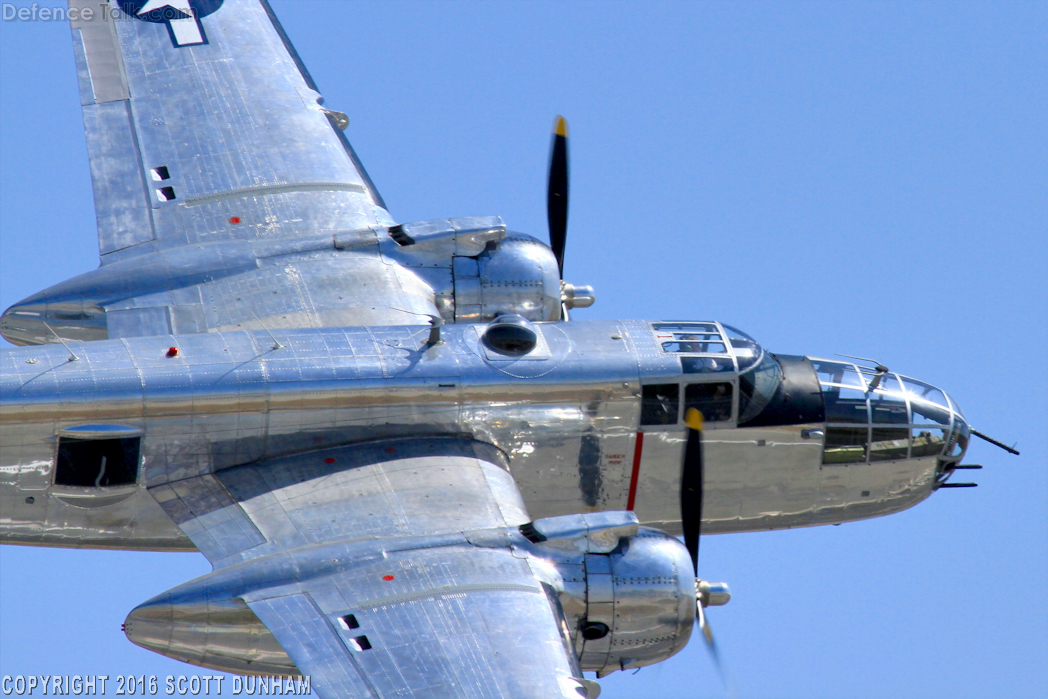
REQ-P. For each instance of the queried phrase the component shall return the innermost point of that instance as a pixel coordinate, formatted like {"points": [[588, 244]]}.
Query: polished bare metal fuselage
{"points": [[566, 416]]}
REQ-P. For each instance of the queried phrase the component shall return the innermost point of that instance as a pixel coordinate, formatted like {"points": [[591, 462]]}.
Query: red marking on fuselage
{"points": [[637, 449]]}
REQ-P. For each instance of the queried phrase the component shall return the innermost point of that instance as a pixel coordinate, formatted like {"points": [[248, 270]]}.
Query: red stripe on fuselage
{"points": [[637, 449]]}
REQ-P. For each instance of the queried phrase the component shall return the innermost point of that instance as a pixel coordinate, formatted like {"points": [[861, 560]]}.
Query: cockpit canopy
{"points": [[711, 347]]}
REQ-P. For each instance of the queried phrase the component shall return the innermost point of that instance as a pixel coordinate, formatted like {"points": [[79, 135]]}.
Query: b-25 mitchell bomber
{"points": [[412, 472]]}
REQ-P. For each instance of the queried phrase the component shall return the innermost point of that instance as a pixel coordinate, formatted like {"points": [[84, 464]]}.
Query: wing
{"points": [[203, 125], [225, 195], [385, 569]]}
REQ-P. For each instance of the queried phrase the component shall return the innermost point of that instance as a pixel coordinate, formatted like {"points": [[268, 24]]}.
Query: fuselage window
{"points": [[888, 408], [889, 443], [919, 389], [97, 463], [659, 405], [845, 445], [844, 404], [713, 400], [927, 441], [929, 413], [836, 372]]}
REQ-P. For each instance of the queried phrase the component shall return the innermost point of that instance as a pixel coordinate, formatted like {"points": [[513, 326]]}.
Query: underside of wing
{"points": [[386, 569]]}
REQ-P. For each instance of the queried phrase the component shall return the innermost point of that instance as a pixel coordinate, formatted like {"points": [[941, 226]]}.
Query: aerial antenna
{"points": [[434, 330], [435, 322], [72, 357], [276, 344], [878, 367]]}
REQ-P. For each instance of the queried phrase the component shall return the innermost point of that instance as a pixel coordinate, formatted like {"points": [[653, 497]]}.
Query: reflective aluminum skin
{"points": [[411, 474], [565, 418], [566, 415]]}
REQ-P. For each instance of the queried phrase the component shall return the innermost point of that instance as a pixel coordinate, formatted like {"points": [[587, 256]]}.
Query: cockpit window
{"points": [[659, 405], [705, 365], [703, 346], [757, 386], [747, 350], [690, 338], [708, 347], [686, 327], [713, 400]]}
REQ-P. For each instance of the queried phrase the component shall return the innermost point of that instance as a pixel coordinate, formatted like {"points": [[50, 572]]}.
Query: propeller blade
{"points": [[707, 635], [691, 494], [557, 192]]}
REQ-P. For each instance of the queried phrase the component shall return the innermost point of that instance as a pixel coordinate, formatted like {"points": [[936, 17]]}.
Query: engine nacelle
{"points": [[628, 592], [478, 270], [517, 274]]}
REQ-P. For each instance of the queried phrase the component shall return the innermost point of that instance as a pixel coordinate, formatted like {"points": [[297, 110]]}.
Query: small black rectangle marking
{"points": [[350, 620], [361, 642]]}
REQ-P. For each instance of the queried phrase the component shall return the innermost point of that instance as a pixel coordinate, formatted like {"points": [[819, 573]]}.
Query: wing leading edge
{"points": [[386, 569]]}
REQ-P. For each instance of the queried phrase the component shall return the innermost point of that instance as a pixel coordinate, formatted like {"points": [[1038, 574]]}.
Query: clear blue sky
{"points": [[866, 178]]}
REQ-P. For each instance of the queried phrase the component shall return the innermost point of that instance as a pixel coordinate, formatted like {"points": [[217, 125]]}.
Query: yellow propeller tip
{"points": [[560, 126], [693, 418]]}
